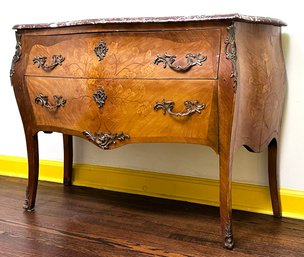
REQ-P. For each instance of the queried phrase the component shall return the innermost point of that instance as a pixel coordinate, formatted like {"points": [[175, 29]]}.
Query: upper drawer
{"points": [[161, 54]]}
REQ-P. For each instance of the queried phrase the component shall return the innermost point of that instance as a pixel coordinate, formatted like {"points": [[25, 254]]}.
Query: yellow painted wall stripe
{"points": [[253, 198]]}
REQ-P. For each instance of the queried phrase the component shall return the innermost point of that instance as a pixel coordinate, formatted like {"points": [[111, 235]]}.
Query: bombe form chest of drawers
{"points": [[218, 81]]}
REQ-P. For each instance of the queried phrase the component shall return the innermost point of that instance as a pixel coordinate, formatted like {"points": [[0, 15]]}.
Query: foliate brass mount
{"points": [[43, 100], [104, 140], [41, 60], [231, 54], [229, 242], [26, 205], [190, 106], [100, 97], [101, 50], [168, 60], [17, 55]]}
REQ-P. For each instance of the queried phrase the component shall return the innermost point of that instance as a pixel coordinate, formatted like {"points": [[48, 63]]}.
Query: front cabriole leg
{"points": [[17, 71], [33, 171], [225, 200], [227, 92]]}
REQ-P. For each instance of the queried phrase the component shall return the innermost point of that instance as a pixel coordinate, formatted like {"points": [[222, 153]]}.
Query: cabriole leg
{"points": [[225, 200], [68, 159], [33, 171], [273, 178]]}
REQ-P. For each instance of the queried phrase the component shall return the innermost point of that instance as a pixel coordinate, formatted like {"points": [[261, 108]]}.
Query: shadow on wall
{"points": [[286, 53], [181, 159]]}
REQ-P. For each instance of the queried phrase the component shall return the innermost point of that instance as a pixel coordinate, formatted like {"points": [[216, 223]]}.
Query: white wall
{"points": [[193, 160]]}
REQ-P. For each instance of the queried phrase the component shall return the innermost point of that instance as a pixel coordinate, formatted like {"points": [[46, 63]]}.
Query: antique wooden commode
{"points": [[217, 80]]}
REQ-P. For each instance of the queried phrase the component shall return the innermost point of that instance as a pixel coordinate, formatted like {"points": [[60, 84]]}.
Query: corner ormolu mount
{"points": [[17, 55], [231, 54]]}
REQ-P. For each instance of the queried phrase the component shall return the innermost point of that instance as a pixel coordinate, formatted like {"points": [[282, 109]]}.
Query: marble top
{"points": [[232, 17]]}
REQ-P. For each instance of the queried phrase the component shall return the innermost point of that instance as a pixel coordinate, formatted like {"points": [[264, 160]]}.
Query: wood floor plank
{"points": [[77, 221]]}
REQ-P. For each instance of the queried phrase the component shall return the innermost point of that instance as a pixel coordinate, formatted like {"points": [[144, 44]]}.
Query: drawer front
{"points": [[162, 54], [136, 108]]}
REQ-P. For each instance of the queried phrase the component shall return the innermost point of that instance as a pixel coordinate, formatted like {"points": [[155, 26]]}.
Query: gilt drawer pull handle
{"points": [[41, 60], [168, 59], [100, 97], [191, 107], [104, 140], [43, 100], [101, 50]]}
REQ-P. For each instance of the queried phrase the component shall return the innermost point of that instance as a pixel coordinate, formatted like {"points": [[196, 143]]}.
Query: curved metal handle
{"points": [[168, 59], [191, 107], [43, 100], [104, 140], [41, 60], [101, 50]]}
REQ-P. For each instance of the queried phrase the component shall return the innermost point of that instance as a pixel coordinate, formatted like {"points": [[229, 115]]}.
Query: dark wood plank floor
{"points": [[75, 221]]}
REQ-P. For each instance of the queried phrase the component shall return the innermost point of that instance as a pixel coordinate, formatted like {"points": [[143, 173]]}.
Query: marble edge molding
{"points": [[233, 17]]}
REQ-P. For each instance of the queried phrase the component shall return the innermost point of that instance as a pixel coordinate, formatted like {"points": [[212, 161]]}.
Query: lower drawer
{"points": [[145, 110]]}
